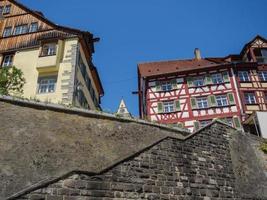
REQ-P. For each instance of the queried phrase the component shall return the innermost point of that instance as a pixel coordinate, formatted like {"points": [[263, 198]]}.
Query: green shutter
{"points": [[158, 86], [237, 123], [180, 124], [160, 107], [225, 76], [193, 103], [231, 98], [174, 84], [196, 125], [177, 105], [208, 80], [190, 82], [212, 101]]}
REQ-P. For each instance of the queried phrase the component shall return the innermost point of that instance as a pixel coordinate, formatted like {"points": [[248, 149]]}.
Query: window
{"points": [[250, 98], [217, 78], [8, 61], [7, 31], [222, 100], [202, 102], [243, 76], [33, 27], [198, 81], [6, 9], [263, 75], [166, 86], [261, 55], [49, 49], [81, 99], [21, 29], [205, 123], [227, 120], [47, 85], [168, 106]]}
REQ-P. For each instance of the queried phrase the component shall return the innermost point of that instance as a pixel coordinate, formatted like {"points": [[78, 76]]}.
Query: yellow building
{"points": [[56, 60]]}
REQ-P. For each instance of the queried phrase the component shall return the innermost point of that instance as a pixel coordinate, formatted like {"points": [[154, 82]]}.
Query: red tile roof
{"points": [[166, 67]]}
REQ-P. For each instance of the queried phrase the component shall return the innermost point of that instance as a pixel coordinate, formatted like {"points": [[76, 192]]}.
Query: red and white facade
{"points": [[191, 93]]}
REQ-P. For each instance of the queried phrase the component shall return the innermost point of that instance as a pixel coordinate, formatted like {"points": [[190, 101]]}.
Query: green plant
{"points": [[263, 147], [11, 81]]}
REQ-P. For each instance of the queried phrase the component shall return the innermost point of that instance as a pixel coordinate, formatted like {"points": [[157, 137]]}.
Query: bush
{"points": [[263, 147], [11, 81]]}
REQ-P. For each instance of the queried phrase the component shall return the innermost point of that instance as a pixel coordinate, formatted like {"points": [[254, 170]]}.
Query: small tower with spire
{"points": [[122, 110]]}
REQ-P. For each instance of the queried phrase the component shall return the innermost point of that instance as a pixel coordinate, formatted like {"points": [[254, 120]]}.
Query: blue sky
{"points": [[150, 30]]}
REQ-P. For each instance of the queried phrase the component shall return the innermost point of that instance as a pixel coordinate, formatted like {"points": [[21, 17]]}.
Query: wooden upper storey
{"points": [[15, 16]]}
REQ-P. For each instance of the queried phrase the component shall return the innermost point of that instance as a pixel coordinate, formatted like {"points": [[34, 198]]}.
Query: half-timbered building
{"points": [[191, 93], [56, 61]]}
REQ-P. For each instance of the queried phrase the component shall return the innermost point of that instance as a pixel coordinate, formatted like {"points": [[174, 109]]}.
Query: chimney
{"points": [[197, 54]]}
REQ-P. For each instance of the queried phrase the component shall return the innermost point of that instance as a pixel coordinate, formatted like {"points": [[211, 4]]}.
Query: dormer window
{"points": [[261, 55], [33, 27], [21, 29], [6, 10], [49, 49]]}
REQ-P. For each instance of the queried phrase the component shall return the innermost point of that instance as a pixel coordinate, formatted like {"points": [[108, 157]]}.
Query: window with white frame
{"points": [[8, 60], [168, 106], [21, 29], [243, 76], [198, 81], [47, 85], [6, 9], [49, 49], [7, 31], [263, 75], [217, 78], [222, 100], [250, 98], [33, 27], [166, 86], [202, 102]]}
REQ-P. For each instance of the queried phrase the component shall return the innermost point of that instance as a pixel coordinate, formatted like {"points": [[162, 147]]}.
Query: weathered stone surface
{"points": [[214, 163], [38, 144]]}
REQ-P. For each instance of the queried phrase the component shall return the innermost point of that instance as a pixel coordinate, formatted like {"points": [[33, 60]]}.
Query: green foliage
{"points": [[263, 147], [11, 81]]}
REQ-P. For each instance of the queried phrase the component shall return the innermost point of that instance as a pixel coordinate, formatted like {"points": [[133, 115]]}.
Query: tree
{"points": [[11, 81]]}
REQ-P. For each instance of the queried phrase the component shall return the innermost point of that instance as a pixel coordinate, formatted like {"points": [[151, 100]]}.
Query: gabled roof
{"points": [[85, 36], [250, 42], [166, 67], [41, 17]]}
